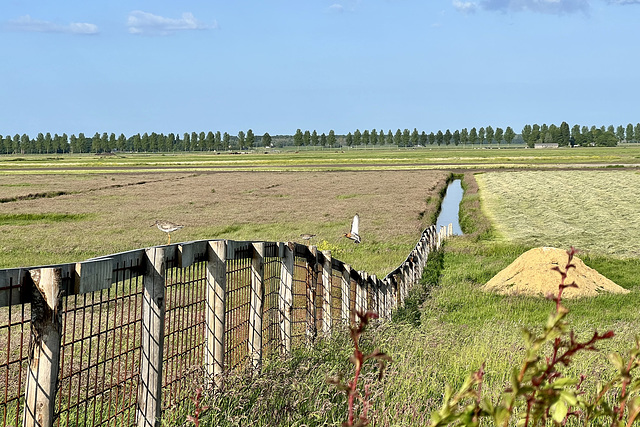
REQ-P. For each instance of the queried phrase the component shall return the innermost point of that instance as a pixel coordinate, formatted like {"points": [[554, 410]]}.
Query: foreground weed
{"points": [[199, 409], [358, 359], [540, 393]]}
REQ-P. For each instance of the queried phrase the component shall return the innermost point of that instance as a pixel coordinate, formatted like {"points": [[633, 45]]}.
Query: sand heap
{"points": [[531, 274]]}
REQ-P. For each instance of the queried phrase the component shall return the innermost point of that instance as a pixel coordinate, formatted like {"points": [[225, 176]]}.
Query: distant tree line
{"points": [[407, 138], [154, 142], [530, 135], [580, 135]]}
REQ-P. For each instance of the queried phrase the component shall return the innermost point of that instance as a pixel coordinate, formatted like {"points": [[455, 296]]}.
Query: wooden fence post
{"points": [[312, 265], [256, 305], [420, 255], [285, 300], [399, 290], [345, 292], [216, 297], [406, 277], [376, 294], [417, 271], [44, 357], [361, 293], [326, 294], [386, 290], [393, 291], [153, 312]]}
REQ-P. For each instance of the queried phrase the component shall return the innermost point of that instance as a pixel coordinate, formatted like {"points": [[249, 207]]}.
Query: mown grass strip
{"points": [[31, 218], [595, 211], [33, 196]]}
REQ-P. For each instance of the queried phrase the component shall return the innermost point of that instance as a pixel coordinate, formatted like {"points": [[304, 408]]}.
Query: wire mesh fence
{"points": [[272, 340], [301, 281], [237, 308], [107, 345], [100, 353], [14, 348], [185, 323]]}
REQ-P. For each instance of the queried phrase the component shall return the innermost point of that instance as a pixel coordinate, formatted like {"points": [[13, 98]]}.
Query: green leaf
{"points": [[515, 384], [487, 406], [559, 411], [617, 361], [569, 397], [447, 394], [563, 382], [634, 405], [501, 416]]}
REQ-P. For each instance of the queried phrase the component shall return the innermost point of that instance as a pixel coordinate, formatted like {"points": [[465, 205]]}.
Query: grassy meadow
{"points": [[315, 158], [68, 209]]}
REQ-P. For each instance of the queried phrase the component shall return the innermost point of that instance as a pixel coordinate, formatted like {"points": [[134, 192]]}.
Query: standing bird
{"points": [[355, 227], [307, 236], [168, 227]]}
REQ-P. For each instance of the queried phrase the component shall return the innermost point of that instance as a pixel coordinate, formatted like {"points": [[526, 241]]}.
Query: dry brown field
{"points": [[87, 215]]}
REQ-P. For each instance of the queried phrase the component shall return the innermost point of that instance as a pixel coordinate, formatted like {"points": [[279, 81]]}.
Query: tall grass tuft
{"points": [[410, 312]]}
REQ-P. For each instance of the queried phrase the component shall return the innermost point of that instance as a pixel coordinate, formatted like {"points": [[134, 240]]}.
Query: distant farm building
{"points": [[546, 145]]}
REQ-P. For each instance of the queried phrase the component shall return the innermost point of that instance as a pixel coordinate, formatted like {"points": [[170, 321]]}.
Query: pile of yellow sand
{"points": [[531, 274]]}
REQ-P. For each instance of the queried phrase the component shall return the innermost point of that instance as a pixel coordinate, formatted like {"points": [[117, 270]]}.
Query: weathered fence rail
{"points": [[121, 338]]}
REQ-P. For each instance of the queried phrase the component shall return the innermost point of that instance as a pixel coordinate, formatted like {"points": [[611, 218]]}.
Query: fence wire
{"points": [[236, 335], [100, 354], [15, 329], [301, 275], [336, 295], [184, 341], [271, 341]]}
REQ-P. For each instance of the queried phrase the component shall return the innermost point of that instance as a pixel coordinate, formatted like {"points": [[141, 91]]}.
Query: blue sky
{"points": [[276, 66]]}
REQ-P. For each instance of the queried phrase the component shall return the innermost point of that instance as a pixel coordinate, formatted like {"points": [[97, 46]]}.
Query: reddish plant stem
{"points": [[354, 383]]}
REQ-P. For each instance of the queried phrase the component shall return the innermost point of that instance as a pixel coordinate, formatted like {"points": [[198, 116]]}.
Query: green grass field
{"points": [[325, 159]]}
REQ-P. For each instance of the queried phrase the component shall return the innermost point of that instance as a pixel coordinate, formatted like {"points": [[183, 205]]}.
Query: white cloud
{"points": [[623, 2], [336, 8], [538, 6], [27, 23], [465, 6], [140, 22]]}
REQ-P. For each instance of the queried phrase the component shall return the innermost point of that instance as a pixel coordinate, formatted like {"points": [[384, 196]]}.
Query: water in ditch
{"points": [[451, 207]]}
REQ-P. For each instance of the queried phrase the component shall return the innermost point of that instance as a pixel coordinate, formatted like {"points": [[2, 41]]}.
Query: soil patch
{"points": [[531, 274]]}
